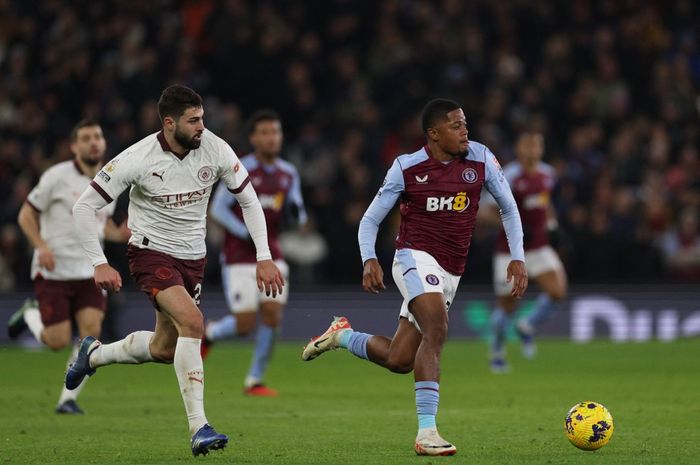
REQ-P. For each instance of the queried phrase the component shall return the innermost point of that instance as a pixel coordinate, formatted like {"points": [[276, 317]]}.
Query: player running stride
{"points": [[279, 190], [61, 271], [171, 175], [532, 182], [439, 187]]}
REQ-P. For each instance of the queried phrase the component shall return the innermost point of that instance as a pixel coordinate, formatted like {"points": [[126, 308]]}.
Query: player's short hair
{"points": [[176, 99], [83, 123], [436, 110], [260, 116]]}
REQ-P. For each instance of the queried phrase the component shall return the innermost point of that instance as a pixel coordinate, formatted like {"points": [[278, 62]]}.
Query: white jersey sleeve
{"points": [[117, 175], [42, 195], [232, 171]]}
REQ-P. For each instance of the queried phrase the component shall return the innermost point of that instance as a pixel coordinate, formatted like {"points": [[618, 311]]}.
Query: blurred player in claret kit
{"points": [[531, 182], [439, 188], [170, 175], [279, 190], [61, 271]]}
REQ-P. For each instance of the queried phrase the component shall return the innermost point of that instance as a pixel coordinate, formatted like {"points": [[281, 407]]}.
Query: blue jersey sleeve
{"points": [[295, 202], [223, 214], [497, 185], [383, 202]]}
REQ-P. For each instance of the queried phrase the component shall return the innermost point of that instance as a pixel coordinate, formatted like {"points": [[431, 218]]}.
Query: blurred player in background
{"points": [[439, 188], [532, 182], [61, 271], [170, 175], [279, 189]]}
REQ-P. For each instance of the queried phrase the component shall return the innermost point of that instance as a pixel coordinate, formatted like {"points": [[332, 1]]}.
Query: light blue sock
{"points": [[264, 341], [427, 400], [222, 329], [499, 325], [544, 307], [355, 342]]}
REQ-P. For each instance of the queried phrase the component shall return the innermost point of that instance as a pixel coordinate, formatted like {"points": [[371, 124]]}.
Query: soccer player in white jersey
{"points": [[438, 188], [279, 189], [532, 182], [61, 271], [170, 175]]}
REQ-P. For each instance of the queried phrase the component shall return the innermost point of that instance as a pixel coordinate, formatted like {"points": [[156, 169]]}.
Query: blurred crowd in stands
{"points": [[613, 85]]}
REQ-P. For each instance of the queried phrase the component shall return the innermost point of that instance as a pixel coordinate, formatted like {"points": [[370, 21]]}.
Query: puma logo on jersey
{"points": [[158, 175], [422, 180], [457, 203]]}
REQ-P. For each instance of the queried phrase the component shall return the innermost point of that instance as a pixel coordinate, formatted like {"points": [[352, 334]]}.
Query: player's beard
{"points": [[90, 161], [189, 144]]}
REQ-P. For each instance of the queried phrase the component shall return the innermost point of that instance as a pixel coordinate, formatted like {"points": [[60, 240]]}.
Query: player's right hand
{"points": [[107, 278], [373, 277], [46, 259], [517, 273]]}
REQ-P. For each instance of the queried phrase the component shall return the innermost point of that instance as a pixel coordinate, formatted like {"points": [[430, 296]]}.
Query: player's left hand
{"points": [[269, 278], [518, 274]]}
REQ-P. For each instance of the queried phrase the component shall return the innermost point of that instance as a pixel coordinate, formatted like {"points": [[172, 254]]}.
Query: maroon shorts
{"points": [[60, 300], [156, 271]]}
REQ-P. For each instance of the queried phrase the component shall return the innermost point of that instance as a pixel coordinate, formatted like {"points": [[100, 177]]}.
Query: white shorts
{"points": [[241, 287], [416, 272], [537, 261]]}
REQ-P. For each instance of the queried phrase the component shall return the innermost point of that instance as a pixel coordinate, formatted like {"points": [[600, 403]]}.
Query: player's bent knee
{"points": [[192, 325], [245, 323], [558, 294], [57, 342], [271, 320], [436, 333], [163, 354], [399, 366]]}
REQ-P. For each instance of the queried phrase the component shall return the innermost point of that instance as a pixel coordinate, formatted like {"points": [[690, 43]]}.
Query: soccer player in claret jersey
{"points": [[61, 271], [532, 182], [439, 187], [279, 190], [170, 175]]}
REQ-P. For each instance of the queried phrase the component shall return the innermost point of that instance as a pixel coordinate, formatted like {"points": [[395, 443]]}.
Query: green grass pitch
{"points": [[341, 410]]}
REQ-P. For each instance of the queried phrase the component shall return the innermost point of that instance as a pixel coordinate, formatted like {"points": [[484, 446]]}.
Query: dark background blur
{"points": [[613, 85]]}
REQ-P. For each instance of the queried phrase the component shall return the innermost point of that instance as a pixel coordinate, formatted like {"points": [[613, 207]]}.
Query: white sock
{"points": [[190, 375], [132, 349], [67, 394], [32, 317]]}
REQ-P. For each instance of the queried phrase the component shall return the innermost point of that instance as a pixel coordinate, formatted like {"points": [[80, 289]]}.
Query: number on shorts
{"points": [[197, 293]]}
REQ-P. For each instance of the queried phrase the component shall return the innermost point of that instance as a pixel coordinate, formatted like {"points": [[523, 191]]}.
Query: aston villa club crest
{"points": [[470, 175], [432, 280]]}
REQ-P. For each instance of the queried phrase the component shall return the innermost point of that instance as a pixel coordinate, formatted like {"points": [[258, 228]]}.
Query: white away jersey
{"points": [[59, 188], [169, 194]]}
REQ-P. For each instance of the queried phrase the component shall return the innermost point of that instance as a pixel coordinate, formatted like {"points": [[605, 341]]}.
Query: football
{"points": [[589, 425]]}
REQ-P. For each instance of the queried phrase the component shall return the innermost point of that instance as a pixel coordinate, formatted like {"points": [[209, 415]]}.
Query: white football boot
{"points": [[429, 442], [330, 340]]}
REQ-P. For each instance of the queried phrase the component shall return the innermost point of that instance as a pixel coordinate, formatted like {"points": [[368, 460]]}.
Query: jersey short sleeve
{"points": [[117, 175], [40, 196], [231, 170]]}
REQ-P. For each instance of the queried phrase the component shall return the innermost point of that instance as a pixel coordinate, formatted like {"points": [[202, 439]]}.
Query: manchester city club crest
{"points": [[205, 173], [470, 175]]}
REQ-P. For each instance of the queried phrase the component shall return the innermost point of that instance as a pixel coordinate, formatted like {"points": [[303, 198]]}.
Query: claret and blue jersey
{"points": [[279, 190], [438, 205]]}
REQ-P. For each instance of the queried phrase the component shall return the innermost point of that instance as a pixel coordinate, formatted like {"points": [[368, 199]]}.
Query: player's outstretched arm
{"points": [[84, 210], [373, 277]]}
